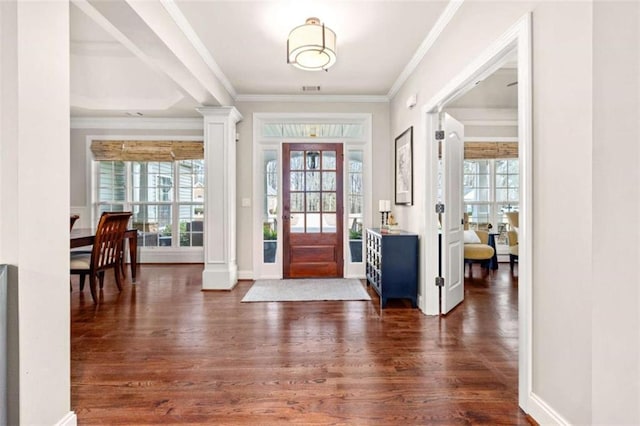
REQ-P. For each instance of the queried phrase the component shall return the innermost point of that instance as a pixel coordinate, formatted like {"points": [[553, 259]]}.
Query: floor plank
{"points": [[164, 352]]}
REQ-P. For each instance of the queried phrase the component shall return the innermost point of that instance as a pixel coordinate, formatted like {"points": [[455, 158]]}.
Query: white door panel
{"points": [[452, 228]]}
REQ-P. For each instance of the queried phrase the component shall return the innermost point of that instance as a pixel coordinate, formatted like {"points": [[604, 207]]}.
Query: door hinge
{"points": [[439, 282], [439, 208], [439, 135]]}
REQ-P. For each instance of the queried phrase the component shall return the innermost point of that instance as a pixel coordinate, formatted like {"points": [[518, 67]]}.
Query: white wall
{"points": [[381, 152], [34, 176], [562, 147], [616, 213]]}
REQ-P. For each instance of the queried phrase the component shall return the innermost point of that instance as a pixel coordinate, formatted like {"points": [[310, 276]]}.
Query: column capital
{"points": [[221, 112]]}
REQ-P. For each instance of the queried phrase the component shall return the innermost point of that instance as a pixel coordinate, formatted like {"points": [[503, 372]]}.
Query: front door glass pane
{"points": [[313, 202], [297, 181], [328, 160], [329, 222], [297, 223], [329, 202], [313, 160], [328, 181], [313, 223], [297, 202], [296, 160], [313, 181]]}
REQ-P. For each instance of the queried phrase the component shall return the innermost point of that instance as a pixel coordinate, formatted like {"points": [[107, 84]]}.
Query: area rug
{"points": [[305, 290]]}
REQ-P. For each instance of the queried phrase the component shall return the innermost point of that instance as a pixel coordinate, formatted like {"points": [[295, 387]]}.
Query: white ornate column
{"points": [[220, 266]]}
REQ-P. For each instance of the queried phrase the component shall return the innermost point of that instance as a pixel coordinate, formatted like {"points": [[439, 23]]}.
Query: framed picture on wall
{"points": [[404, 168]]}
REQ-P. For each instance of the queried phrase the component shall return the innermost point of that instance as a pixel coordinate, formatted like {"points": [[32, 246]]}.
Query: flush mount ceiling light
{"points": [[311, 46]]}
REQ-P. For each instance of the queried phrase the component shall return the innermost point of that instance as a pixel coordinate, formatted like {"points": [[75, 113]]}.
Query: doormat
{"points": [[306, 290]]}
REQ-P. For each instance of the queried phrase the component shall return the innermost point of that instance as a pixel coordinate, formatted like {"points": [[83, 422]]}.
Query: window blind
{"points": [[109, 150], [488, 150]]}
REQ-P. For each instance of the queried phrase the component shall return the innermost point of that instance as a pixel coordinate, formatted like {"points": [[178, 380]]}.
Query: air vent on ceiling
{"points": [[310, 88]]}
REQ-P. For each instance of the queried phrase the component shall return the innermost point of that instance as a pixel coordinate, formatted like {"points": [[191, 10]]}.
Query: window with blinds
{"points": [[162, 183], [491, 189], [130, 150]]}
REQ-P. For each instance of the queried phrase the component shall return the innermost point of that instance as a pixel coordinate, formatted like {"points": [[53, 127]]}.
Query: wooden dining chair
{"points": [[107, 252]]}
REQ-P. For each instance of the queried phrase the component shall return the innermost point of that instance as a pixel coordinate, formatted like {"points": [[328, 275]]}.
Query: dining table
{"points": [[82, 237]]}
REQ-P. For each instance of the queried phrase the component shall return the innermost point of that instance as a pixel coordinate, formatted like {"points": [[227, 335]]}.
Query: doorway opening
{"points": [[347, 209], [515, 42]]}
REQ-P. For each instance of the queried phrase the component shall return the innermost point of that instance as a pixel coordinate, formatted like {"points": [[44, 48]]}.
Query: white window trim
{"points": [[145, 254], [364, 143], [492, 203]]}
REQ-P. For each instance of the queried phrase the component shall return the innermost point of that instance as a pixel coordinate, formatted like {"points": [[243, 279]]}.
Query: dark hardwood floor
{"points": [[165, 352]]}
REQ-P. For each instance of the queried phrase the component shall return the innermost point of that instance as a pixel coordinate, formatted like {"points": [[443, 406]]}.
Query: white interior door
{"points": [[452, 228]]}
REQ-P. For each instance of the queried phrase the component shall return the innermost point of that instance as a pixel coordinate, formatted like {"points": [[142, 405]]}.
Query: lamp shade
{"points": [[311, 46]]}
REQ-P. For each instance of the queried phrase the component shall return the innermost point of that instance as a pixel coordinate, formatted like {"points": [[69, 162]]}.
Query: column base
{"points": [[220, 277]]}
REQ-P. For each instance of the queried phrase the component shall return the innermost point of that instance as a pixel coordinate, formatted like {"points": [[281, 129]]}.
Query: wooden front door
{"points": [[312, 210]]}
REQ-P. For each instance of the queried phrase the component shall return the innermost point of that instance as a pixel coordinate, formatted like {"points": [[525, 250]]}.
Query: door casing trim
{"points": [[363, 143], [517, 39]]}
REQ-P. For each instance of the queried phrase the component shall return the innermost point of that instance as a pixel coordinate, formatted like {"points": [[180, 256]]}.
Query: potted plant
{"points": [[270, 243], [355, 244]]}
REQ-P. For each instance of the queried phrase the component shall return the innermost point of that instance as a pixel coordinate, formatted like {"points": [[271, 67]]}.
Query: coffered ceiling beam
{"points": [[146, 29]]}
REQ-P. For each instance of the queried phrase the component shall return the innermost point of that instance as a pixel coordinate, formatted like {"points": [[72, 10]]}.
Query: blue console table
{"points": [[392, 265]]}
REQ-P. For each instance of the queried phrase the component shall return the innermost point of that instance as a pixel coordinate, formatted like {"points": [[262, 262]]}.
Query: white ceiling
{"points": [[167, 57], [497, 91]]}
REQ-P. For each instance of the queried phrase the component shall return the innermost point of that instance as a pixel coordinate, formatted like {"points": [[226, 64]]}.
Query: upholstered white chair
{"points": [[513, 218], [477, 249]]}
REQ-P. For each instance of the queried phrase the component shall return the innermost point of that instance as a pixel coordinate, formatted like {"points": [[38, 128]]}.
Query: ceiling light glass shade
{"points": [[311, 46]]}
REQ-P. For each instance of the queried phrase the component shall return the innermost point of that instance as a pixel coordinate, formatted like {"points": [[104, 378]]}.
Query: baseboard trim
{"points": [[69, 419], [542, 413], [245, 275]]}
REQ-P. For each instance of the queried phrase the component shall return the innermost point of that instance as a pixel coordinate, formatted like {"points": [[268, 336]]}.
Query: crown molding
{"points": [[133, 123], [314, 98], [431, 38]]}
